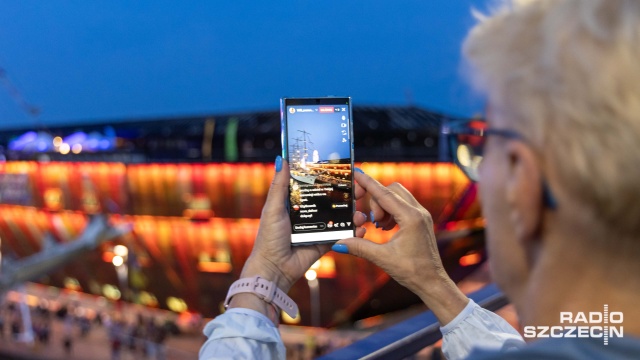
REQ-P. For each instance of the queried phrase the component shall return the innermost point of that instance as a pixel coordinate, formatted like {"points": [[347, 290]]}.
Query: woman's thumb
{"points": [[359, 247]]}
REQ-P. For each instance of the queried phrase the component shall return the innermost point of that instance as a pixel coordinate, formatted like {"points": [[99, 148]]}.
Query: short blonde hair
{"points": [[567, 75]]}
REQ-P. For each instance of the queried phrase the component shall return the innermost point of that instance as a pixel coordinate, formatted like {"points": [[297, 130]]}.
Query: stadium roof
{"points": [[395, 133]]}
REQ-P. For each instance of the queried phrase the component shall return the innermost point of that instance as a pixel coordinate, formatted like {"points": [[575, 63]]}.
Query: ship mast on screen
{"points": [[308, 168]]}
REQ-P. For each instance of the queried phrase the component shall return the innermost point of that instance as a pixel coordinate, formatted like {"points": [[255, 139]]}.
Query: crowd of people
{"points": [[145, 336], [142, 338]]}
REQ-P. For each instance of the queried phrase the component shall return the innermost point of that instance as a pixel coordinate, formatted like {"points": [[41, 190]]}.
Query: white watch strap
{"points": [[266, 290]]}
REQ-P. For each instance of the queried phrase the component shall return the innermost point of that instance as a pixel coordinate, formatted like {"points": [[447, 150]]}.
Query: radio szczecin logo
{"points": [[603, 325]]}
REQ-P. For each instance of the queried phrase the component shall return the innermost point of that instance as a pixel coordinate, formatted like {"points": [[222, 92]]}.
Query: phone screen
{"points": [[317, 141]]}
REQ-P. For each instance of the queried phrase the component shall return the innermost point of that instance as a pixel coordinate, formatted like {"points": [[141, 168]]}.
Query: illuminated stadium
{"points": [[193, 189]]}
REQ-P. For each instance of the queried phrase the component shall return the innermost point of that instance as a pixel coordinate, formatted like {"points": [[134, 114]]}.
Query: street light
{"points": [[314, 288], [120, 262], [117, 261], [121, 250], [311, 275]]}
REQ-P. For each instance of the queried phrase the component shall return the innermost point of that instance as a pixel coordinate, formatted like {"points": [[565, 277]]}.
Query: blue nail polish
{"points": [[340, 248], [278, 163], [365, 217], [373, 219], [376, 224], [358, 170]]}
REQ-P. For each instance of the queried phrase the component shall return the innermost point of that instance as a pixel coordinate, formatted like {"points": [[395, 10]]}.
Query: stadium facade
{"points": [[192, 189]]}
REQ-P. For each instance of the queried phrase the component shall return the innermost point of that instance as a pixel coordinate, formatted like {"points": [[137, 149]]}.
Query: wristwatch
{"points": [[265, 290]]}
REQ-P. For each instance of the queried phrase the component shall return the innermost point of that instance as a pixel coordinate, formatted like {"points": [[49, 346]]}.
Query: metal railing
{"points": [[412, 335]]}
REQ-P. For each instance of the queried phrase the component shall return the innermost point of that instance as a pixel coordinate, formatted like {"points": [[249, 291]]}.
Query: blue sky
{"points": [[82, 61], [325, 132]]}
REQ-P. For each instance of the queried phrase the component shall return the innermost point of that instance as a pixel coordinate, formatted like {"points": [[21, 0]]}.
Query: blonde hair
{"points": [[566, 73]]}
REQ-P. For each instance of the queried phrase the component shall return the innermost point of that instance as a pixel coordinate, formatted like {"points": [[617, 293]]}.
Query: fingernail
{"points": [[359, 170], [373, 219], [365, 217], [340, 248], [278, 163], [376, 224]]}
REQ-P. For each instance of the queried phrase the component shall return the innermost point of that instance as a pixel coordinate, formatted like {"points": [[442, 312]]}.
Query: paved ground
{"points": [[94, 346]]}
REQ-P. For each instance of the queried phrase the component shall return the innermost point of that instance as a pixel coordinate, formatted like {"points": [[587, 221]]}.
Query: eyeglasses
{"points": [[467, 140]]}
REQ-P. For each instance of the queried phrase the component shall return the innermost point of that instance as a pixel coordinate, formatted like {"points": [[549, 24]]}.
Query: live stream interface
{"points": [[320, 166]]}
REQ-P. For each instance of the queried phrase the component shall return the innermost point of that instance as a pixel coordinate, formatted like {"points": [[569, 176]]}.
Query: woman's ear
{"points": [[524, 191]]}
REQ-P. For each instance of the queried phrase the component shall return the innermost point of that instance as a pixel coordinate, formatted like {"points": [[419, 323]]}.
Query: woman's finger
{"points": [[379, 217], [359, 192], [384, 201], [388, 223], [279, 190], [401, 191], [384, 220], [360, 232], [359, 218]]}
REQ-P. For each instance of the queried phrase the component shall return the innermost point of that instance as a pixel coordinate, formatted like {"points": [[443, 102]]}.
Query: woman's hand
{"points": [[411, 257], [273, 257]]}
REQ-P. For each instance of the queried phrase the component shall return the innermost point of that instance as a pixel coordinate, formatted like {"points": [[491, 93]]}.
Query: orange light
{"points": [[371, 321], [214, 267], [326, 267], [72, 284], [107, 256], [53, 199], [471, 258]]}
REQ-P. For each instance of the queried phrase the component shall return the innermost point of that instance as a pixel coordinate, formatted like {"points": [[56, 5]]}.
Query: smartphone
{"points": [[317, 141]]}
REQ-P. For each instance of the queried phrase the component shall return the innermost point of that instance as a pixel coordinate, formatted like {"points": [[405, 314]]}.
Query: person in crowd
{"points": [[2, 320], [137, 335], [155, 337], [42, 322], [67, 333], [16, 321], [85, 325], [559, 181], [41, 329], [116, 332]]}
